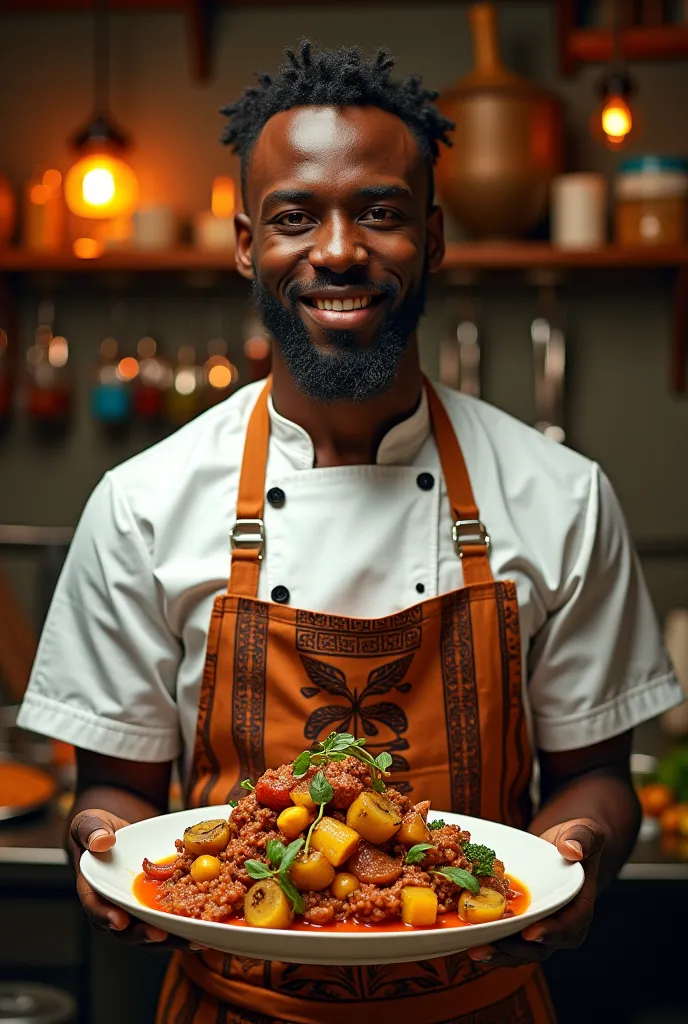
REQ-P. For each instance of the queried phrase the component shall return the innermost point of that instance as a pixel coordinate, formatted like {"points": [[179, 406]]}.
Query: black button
{"points": [[420, 587], [276, 497], [425, 481], [280, 594]]}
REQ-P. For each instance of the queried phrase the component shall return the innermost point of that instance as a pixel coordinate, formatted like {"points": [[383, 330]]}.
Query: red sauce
{"points": [[146, 892]]}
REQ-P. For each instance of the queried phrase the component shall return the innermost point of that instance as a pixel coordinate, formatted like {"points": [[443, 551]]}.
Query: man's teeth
{"points": [[339, 305]]}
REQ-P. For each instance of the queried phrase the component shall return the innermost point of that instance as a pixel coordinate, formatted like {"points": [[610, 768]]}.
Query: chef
{"points": [[348, 546]]}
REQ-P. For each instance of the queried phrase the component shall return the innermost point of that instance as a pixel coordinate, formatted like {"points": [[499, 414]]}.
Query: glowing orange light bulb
{"points": [[617, 119], [101, 185]]}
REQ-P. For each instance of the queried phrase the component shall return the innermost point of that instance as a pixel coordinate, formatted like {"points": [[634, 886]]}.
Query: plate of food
{"points": [[323, 861]]}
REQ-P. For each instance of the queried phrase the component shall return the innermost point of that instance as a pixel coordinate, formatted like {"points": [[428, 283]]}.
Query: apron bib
{"points": [[437, 685]]}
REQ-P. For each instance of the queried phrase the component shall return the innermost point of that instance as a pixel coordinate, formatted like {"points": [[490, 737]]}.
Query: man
{"points": [[404, 560]]}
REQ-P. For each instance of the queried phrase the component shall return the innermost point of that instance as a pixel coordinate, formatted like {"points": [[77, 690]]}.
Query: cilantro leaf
{"points": [[464, 879], [274, 851], [383, 761], [256, 869], [247, 784], [320, 790], [290, 854], [301, 764], [233, 803], [292, 893], [416, 854], [437, 823]]}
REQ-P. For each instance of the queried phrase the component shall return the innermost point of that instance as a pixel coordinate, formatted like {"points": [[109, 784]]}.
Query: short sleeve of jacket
{"points": [[105, 672], [597, 667]]}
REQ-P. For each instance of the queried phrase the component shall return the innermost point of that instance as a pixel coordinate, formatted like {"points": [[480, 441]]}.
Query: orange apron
{"points": [[437, 685]]}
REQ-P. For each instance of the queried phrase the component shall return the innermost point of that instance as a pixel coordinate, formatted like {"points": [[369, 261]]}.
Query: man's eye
{"points": [[380, 214], [294, 219]]}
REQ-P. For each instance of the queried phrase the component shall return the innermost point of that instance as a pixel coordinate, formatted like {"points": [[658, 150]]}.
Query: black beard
{"points": [[348, 373]]}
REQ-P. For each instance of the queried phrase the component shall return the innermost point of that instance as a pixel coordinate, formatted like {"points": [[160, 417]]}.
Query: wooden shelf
{"points": [[468, 256], [658, 42]]}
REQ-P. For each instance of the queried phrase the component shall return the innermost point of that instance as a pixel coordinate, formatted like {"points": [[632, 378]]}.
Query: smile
{"points": [[347, 313], [341, 305]]}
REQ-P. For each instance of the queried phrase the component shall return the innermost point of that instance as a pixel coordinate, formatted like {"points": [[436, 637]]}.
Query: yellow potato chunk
{"points": [[205, 868], [344, 884], [374, 817], [488, 905], [206, 837], [266, 906], [418, 906], [334, 840], [413, 830], [293, 821], [312, 873], [301, 796]]}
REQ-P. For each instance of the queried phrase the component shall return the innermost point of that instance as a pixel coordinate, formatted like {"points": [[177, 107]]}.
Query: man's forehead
{"points": [[305, 141]]}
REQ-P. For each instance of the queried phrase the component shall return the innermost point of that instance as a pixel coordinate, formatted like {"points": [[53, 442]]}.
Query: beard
{"points": [[345, 371]]}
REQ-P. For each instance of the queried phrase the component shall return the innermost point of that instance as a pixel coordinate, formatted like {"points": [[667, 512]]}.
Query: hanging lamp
{"points": [[613, 119], [101, 184]]}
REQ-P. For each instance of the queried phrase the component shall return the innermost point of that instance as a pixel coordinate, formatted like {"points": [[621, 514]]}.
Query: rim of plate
{"points": [[558, 897]]}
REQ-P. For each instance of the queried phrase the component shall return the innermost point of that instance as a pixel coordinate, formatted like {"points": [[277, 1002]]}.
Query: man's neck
{"points": [[348, 433]]}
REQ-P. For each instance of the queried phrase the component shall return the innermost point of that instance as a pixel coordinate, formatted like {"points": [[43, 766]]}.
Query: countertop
{"points": [[37, 839]]}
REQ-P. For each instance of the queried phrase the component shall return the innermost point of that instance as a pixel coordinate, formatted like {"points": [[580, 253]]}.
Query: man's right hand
{"points": [[95, 830]]}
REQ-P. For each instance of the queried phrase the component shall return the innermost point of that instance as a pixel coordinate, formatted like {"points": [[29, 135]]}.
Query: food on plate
{"points": [[324, 841]]}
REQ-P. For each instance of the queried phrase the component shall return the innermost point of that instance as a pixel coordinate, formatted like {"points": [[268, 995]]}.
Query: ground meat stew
{"points": [[325, 842]]}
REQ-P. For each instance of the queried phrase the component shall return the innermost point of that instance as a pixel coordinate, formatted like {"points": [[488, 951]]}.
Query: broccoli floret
{"points": [[438, 823], [481, 857]]}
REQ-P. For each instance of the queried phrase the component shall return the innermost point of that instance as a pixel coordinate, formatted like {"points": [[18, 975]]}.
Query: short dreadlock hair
{"points": [[344, 77]]}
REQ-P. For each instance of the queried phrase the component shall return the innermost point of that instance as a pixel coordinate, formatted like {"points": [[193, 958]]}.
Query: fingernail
{"points": [[115, 921], [533, 935], [574, 847], [96, 834], [480, 954], [155, 935], [195, 946]]}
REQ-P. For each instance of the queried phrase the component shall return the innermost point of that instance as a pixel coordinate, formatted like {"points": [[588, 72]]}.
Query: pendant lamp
{"points": [[613, 120], [101, 184]]}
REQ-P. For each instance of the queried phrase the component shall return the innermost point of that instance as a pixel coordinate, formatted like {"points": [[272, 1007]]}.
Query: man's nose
{"points": [[338, 246]]}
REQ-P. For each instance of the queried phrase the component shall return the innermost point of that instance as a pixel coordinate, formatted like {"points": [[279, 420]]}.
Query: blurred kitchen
{"points": [[564, 300]]}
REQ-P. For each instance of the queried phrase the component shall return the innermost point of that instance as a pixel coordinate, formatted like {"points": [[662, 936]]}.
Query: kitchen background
{"points": [[601, 278]]}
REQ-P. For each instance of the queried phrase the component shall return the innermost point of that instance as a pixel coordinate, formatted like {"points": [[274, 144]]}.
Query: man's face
{"points": [[338, 242]]}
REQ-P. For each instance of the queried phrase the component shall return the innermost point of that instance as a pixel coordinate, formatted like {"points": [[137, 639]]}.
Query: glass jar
{"points": [[651, 206]]}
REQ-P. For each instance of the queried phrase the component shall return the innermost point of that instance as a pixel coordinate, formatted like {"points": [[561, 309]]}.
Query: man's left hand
{"points": [[580, 839]]}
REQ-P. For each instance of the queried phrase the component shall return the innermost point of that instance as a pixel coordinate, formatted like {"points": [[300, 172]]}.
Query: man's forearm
{"points": [[117, 801], [611, 802]]}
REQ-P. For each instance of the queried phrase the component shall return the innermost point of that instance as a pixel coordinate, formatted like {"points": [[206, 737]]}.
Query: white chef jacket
{"points": [[121, 654]]}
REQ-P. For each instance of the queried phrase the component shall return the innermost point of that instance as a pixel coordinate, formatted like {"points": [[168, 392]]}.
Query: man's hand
{"points": [[94, 830], [580, 839]]}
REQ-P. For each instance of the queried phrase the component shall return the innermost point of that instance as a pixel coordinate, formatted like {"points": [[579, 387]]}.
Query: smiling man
{"points": [[407, 563]]}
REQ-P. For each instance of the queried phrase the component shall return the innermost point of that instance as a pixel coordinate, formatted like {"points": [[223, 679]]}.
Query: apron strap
{"points": [[471, 540], [247, 536]]}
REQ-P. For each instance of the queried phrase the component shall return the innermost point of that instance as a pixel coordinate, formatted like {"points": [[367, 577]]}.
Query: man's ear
{"points": [[244, 241], [435, 230]]}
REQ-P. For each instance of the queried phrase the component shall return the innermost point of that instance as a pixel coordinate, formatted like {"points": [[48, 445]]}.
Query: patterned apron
{"points": [[437, 685]]}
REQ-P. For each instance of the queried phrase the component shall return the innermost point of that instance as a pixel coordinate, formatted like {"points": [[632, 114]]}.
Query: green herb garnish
{"points": [[481, 857], [279, 859], [321, 792], [337, 747], [247, 784], [464, 879], [417, 853], [233, 803], [437, 823]]}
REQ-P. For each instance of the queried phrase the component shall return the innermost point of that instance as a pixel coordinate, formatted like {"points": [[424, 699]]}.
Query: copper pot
{"points": [[508, 143]]}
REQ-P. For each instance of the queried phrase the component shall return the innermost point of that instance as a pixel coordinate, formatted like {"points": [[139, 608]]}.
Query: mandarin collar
{"points": [[398, 447]]}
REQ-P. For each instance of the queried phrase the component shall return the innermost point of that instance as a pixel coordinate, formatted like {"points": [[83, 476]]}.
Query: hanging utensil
{"points": [[460, 355], [549, 364]]}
